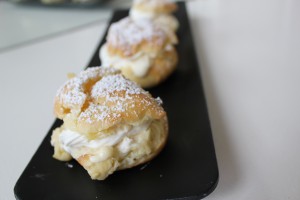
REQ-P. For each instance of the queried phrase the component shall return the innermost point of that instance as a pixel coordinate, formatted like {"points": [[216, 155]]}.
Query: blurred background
{"points": [[26, 21]]}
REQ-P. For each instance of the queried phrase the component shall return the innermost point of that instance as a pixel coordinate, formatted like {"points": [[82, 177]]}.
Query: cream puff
{"points": [[143, 51], [109, 122], [159, 11]]}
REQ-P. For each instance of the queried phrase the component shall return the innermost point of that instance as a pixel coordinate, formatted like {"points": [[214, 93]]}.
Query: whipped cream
{"points": [[139, 63], [72, 141]]}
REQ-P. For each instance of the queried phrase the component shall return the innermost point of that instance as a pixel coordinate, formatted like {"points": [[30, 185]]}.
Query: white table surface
{"points": [[250, 61]]}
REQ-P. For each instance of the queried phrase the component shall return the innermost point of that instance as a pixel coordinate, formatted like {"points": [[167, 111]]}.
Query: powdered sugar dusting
{"points": [[127, 33], [72, 92], [114, 104], [159, 101], [113, 83], [97, 112], [103, 95]]}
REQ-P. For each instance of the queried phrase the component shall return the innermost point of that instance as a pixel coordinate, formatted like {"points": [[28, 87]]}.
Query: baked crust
{"points": [[96, 104], [157, 11], [163, 65], [128, 37], [146, 39]]}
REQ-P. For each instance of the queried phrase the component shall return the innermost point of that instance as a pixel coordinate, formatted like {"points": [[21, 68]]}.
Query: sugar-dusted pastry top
{"points": [[110, 123], [127, 37], [99, 98]]}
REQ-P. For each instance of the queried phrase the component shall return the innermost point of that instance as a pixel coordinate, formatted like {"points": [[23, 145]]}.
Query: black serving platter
{"points": [[185, 169]]}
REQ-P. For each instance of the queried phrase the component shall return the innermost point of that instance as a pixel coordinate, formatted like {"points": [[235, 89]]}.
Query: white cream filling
{"points": [[139, 63], [72, 142]]}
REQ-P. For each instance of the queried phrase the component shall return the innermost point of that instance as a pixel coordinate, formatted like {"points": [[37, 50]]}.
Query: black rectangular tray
{"points": [[186, 168]]}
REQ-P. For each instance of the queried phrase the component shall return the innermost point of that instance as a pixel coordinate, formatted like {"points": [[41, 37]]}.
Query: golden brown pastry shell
{"points": [[163, 65]]}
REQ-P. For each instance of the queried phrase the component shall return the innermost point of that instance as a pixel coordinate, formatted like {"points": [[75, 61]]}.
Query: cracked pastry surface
{"points": [[110, 123]]}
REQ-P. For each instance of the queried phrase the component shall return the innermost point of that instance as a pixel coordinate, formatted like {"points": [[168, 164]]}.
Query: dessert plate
{"points": [[185, 169]]}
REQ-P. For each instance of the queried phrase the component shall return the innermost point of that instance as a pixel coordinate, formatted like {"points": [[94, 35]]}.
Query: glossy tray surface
{"points": [[186, 168]]}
